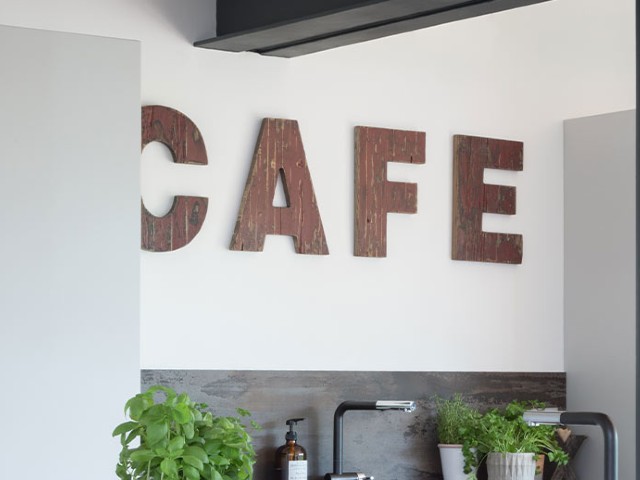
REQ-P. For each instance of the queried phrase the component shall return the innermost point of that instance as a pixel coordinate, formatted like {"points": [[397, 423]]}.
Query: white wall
{"points": [[513, 75], [600, 306], [69, 237]]}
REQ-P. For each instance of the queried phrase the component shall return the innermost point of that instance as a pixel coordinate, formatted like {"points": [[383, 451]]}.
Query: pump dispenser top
{"points": [[291, 435]]}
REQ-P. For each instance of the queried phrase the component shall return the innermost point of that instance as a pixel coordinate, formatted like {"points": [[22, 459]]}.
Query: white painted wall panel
{"points": [[69, 250], [599, 269]]}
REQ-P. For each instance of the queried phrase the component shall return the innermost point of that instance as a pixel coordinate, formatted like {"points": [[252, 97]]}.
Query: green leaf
{"points": [[212, 446], [191, 473], [207, 418], [206, 474], [163, 452], [243, 413], [193, 461], [142, 455], [155, 414], [132, 435], [197, 452], [188, 430], [225, 423], [124, 428], [176, 444], [169, 468], [135, 406], [220, 461], [215, 475], [156, 433], [121, 472], [231, 453], [255, 425], [181, 413]]}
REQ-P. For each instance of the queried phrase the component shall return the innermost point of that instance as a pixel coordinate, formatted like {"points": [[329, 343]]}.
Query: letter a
{"points": [[279, 154]]}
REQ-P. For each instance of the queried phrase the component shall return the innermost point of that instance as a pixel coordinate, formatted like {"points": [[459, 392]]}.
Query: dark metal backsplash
{"points": [[388, 445]]}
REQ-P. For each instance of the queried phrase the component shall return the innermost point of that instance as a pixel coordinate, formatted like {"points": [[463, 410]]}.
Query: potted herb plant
{"points": [[457, 426], [179, 439], [511, 446]]}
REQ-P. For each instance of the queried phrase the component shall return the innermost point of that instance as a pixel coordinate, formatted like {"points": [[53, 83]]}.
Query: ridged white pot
{"points": [[452, 462], [511, 466]]}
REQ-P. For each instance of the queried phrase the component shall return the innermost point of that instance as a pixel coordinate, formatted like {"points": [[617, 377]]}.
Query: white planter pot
{"points": [[511, 466], [452, 462]]}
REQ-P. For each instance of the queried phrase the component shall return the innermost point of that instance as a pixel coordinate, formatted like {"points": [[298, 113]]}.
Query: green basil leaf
{"points": [[220, 461], [206, 474], [155, 414], [215, 475], [135, 406], [169, 468], [191, 473], [212, 446], [181, 413], [124, 428], [197, 452], [142, 455], [176, 444], [193, 461], [188, 430], [132, 435], [162, 452], [156, 433]]}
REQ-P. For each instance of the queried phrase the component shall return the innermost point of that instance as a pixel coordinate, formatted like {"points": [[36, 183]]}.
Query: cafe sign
{"points": [[279, 157]]}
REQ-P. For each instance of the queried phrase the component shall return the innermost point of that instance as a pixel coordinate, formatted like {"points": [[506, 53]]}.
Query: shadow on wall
{"points": [[388, 445], [193, 19]]}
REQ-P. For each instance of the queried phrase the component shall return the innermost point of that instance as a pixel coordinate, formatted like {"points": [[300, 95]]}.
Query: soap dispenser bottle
{"points": [[291, 458]]}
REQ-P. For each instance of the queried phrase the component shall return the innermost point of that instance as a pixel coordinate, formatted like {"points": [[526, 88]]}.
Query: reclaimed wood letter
{"points": [[472, 197], [374, 195], [184, 220], [279, 154]]}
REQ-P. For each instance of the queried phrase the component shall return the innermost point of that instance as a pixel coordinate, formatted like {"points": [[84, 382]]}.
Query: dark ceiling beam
{"points": [[290, 28]]}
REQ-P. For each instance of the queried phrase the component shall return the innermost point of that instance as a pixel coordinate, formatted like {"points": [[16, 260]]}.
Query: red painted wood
{"points": [[375, 196], [279, 153], [186, 216], [472, 198]]}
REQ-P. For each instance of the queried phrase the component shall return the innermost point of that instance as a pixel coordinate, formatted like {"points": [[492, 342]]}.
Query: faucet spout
{"points": [[404, 405]]}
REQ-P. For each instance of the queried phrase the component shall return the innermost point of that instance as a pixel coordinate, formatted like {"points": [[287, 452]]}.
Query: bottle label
{"points": [[295, 470]]}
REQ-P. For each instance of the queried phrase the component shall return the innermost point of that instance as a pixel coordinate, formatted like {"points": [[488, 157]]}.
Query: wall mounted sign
{"points": [[472, 198], [374, 195], [279, 155], [183, 139]]}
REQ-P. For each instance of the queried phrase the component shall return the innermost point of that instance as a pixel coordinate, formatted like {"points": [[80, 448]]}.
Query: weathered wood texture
{"points": [[472, 198], [388, 445], [186, 216], [279, 154], [374, 195]]}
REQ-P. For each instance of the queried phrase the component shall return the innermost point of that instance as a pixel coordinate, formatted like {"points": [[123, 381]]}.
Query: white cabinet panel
{"points": [[69, 250]]}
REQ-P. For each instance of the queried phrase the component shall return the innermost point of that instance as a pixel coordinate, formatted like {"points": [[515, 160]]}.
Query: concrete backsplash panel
{"points": [[389, 445]]}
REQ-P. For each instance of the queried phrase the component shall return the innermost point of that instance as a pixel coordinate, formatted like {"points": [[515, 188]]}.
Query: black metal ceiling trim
{"points": [[354, 22]]}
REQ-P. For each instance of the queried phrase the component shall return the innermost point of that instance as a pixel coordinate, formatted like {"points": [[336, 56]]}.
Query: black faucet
{"points": [[338, 474], [584, 418]]}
